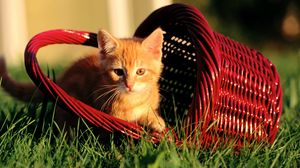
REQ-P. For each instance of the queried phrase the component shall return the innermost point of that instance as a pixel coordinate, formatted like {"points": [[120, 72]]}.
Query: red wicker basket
{"points": [[222, 89]]}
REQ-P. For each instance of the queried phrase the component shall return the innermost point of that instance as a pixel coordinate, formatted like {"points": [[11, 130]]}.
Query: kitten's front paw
{"points": [[158, 125]]}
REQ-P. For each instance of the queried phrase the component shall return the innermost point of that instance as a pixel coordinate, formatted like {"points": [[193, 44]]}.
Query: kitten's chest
{"points": [[130, 109], [131, 114]]}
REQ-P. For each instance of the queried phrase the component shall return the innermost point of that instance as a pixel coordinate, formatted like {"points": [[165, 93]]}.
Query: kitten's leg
{"points": [[158, 124], [153, 121]]}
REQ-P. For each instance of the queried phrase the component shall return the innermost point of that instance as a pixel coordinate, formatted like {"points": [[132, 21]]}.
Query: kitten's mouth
{"points": [[127, 90], [130, 91], [133, 90]]}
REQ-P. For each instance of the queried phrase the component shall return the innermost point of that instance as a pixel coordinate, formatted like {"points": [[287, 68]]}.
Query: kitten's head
{"points": [[132, 65]]}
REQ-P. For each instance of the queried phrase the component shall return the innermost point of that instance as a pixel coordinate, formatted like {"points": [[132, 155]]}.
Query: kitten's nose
{"points": [[129, 85]]}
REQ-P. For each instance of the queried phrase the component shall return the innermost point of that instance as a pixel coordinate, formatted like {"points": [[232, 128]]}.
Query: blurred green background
{"points": [[268, 23]]}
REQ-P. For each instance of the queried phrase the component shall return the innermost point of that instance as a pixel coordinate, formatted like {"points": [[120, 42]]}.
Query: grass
{"points": [[27, 138]]}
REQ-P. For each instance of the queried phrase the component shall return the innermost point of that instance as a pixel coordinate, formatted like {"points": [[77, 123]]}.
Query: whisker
{"points": [[105, 93], [163, 90], [113, 97], [109, 100], [103, 87], [162, 96], [160, 77]]}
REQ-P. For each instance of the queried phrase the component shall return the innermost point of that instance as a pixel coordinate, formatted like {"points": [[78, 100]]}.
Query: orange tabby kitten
{"points": [[121, 80]]}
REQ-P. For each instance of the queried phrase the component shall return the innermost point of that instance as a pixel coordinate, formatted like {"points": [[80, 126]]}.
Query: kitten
{"points": [[121, 80]]}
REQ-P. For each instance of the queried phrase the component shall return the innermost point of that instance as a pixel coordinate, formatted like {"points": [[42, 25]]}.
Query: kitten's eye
{"points": [[140, 71], [119, 71]]}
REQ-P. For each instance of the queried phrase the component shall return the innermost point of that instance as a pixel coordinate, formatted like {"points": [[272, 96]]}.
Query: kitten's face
{"points": [[132, 69], [132, 65]]}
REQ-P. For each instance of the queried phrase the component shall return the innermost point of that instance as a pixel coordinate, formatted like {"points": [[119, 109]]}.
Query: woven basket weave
{"points": [[222, 89]]}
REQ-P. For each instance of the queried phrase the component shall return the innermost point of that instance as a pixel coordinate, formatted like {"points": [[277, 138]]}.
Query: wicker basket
{"points": [[222, 89]]}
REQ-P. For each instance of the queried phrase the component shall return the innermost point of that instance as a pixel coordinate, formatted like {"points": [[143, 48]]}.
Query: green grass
{"points": [[27, 138]]}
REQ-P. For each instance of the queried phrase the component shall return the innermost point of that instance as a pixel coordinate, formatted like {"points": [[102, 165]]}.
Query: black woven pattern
{"points": [[179, 74]]}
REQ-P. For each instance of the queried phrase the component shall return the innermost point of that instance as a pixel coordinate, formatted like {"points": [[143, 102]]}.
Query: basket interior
{"points": [[179, 74]]}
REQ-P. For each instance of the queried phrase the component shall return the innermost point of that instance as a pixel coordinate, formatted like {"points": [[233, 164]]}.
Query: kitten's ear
{"points": [[106, 42], [154, 42]]}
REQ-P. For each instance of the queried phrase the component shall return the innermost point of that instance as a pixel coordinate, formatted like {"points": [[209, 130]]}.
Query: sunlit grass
{"points": [[27, 138]]}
